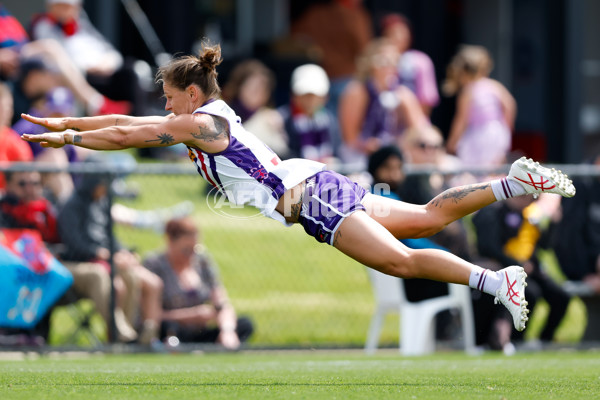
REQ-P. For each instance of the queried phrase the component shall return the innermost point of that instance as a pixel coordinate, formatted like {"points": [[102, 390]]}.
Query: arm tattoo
{"points": [[74, 129], [219, 130], [297, 208], [77, 139], [457, 194], [163, 138], [117, 122]]}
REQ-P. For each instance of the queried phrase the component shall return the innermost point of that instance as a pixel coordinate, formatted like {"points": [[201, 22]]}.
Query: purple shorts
{"points": [[328, 198]]}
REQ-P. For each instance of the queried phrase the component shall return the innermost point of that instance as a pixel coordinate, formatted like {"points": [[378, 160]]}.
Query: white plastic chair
{"points": [[417, 319]]}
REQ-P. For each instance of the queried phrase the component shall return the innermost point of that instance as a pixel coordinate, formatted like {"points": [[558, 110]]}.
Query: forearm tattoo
{"points": [[163, 138], [208, 133], [77, 139], [297, 208], [457, 194], [117, 122]]}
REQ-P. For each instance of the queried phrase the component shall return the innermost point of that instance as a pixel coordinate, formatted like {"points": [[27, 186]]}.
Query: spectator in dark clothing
{"points": [[83, 225], [576, 239], [509, 233]]}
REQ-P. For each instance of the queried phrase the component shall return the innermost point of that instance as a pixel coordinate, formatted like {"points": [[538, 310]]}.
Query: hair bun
{"points": [[210, 56]]}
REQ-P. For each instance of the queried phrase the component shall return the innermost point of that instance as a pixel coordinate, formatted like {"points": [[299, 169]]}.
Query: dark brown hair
{"points": [[184, 71], [178, 227], [240, 74]]}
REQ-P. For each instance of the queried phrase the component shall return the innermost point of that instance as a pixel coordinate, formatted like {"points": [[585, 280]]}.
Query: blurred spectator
{"points": [[248, 91], [311, 129], [415, 69], [66, 22], [84, 229], [12, 148], [509, 233], [340, 29], [576, 236], [15, 48], [57, 102], [24, 206], [481, 132], [374, 109], [386, 168], [196, 305]]}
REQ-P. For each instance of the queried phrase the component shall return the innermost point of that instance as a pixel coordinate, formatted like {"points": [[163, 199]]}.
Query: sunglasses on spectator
{"points": [[383, 62], [29, 183], [428, 146]]}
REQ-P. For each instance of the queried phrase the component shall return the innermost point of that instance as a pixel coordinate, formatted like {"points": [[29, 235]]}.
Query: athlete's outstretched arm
{"points": [[209, 133], [93, 123]]}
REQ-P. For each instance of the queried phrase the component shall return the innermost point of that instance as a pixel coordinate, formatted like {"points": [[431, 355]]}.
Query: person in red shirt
{"points": [[12, 148], [24, 206]]}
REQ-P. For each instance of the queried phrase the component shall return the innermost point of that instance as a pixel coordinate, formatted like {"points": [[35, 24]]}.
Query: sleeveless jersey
{"points": [[248, 172]]}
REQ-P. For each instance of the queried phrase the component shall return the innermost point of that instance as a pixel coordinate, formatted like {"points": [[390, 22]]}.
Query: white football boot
{"points": [[537, 179], [512, 294]]}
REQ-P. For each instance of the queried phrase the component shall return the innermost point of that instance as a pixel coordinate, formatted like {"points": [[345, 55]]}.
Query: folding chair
{"points": [[417, 319]]}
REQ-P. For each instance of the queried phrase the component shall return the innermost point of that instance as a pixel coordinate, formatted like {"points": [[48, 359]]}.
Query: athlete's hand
{"points": [[49, 139], [52, 124]]}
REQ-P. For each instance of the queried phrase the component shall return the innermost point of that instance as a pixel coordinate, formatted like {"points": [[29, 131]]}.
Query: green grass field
{"points": [[304, 375]]}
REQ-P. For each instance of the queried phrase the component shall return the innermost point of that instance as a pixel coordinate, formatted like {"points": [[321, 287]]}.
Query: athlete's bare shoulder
{"points": [[208, 132]]}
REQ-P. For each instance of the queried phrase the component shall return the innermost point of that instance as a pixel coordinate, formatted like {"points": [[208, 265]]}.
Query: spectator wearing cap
{"points": [[312, 130], [415, 68]]}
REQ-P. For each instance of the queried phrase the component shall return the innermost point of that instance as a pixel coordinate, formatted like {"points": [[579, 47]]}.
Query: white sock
{"points": [[506, 188], [485, 280]]}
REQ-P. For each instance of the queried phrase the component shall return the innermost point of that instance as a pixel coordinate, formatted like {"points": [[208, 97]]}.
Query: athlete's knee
{"points": [[404, 267]]}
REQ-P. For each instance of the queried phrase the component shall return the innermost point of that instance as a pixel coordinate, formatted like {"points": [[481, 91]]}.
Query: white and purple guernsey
{"points": [[248, 172]]}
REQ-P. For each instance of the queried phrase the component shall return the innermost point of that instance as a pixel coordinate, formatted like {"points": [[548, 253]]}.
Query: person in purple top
{"points": [[415, 68], [374, 109], [481, 131], [328, 205]]}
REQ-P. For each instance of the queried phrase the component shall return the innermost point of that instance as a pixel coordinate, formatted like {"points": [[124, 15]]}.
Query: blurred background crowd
{"points": [[376, 89]]}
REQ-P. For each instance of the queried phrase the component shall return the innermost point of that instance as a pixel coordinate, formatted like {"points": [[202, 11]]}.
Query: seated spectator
{"points": [[195, 303], [374, 110], [415, 69], [84, 229], [509, 233], [66, 22], [12, 148], [311, 129], [386, 168], [248, 91], [57, 102], [481, 132], [424, 147], [24, 206], [576, 236], [15, 47]]}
